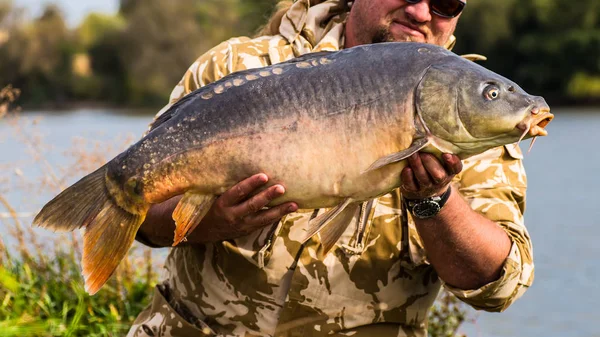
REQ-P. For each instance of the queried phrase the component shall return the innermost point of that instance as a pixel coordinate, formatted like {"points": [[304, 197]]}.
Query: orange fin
{"points": [[189, 212], [109, 229], [106, 241]]}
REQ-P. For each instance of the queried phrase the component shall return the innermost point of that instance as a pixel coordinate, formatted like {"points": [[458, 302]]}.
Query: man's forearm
{"points": [[466, 249], [159, 227]]}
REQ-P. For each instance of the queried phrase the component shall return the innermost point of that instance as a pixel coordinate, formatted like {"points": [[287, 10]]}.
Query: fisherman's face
{"points": [[373, 21]]}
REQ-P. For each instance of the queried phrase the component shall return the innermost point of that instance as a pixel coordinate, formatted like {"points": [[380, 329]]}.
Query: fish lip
{"points": [[535, 124], [544, 118]]}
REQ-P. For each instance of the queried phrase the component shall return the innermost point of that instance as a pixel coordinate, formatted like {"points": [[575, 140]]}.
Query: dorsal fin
{"points": [[165, 116]]}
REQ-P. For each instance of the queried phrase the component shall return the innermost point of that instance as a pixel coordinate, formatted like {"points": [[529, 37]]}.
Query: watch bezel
{"points": [[426, 209]]}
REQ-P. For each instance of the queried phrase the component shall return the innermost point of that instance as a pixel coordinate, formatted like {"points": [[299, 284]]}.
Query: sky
{"points": [[75, 10]]}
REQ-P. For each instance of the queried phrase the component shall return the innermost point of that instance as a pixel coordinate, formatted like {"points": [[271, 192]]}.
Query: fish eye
{"points": [[491, 92]]}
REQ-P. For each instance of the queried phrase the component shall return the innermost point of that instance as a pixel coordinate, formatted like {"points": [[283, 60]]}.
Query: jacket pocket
{"points": [[162, 319]]}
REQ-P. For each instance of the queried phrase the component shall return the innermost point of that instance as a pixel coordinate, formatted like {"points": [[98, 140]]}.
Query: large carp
{"points": [[333, 128]]}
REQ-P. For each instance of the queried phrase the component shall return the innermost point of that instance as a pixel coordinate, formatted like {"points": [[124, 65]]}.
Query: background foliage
{"points": [[135, 57]]}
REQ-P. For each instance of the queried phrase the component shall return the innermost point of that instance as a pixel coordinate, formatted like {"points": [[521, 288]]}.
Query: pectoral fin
{"points": [[417, 145], [189, 212], [332, 224]]}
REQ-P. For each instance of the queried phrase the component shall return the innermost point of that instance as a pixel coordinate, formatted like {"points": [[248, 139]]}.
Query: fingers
{"points": [[452, 163], [419, 171], [409, 182], [257, 202], [241, 207], [425, 175], [434, 168], [269, 216], [241, 190]]}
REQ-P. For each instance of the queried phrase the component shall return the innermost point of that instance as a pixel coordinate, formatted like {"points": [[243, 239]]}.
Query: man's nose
{"points": [[419, 12]]}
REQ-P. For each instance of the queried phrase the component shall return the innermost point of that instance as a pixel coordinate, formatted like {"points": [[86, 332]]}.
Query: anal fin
{"points": [[417, 145], [189, 212], [332, 224]]}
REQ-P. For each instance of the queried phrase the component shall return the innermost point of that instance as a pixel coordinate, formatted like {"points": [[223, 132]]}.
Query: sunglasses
{"points": [[444, 8]]}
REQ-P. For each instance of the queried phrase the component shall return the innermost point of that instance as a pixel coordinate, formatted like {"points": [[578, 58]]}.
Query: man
{"points": [[244, 272]]}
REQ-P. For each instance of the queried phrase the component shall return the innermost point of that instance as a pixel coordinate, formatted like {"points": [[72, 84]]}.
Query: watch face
{"points": [[426, 209]]}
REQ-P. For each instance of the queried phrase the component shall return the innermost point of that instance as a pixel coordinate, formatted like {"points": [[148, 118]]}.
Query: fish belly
{"points": [[320, 168]]}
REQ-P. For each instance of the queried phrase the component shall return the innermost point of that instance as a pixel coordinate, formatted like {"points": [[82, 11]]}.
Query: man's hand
{"points": [[238, 212], [425, 176]]}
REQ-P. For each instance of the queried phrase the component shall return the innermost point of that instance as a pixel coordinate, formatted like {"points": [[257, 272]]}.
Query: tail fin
{"points": [[109, 229]]}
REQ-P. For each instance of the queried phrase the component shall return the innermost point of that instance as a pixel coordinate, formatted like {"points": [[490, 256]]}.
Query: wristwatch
{"points": [[427, 207]]}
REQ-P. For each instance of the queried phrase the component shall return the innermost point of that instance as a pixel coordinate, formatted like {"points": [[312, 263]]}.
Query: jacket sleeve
{"points": [[494, 184]]}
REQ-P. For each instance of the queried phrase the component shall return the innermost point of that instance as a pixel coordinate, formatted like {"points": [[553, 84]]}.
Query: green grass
{"points": [[45, 297]]}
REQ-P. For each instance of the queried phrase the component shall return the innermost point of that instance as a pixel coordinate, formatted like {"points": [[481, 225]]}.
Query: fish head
{"points": [[469, 109]]}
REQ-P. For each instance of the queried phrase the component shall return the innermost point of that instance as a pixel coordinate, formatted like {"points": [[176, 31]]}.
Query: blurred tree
{"points": [[37, 58], [5, 10], [96, 27], [544, 45], [102, 37], [163, 38]]}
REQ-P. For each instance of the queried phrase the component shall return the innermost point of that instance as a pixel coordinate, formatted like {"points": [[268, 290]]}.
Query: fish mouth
{"points": [[539, 124], [534, 125]]}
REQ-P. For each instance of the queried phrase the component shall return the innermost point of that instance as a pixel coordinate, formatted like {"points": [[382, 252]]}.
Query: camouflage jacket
{"points": [[375, 282]]}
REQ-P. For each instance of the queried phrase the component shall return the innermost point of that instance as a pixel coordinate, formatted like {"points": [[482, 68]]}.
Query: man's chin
{"points": [[389, 37], [410, 39]]}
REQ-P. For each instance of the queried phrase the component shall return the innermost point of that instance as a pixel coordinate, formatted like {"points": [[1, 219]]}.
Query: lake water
{"points": [[563, 212]]}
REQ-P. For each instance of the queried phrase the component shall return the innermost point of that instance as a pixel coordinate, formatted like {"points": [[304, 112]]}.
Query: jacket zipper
{"points": [[365, 210], [267, 246]]}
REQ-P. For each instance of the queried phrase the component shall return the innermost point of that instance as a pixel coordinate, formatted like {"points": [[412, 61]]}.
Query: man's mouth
{"points": [[407, 29]]}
